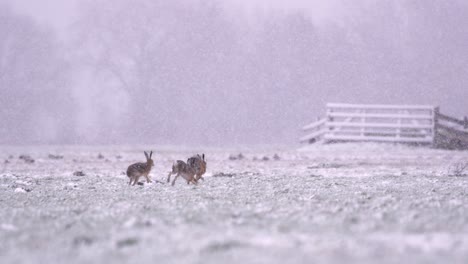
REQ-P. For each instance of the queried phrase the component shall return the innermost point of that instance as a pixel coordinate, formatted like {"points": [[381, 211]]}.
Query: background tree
{"points": [[35, 107]]}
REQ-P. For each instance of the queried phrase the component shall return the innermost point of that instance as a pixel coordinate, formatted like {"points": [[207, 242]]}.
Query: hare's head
{"points": [[201, 157], [203, 161], [149, 161]]}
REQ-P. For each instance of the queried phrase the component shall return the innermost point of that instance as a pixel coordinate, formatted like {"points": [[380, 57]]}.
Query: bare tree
{"points": [[161, 56], [33, 79]]}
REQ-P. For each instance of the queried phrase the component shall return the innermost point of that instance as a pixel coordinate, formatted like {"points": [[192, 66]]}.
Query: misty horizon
{"points": [[218, 73]]}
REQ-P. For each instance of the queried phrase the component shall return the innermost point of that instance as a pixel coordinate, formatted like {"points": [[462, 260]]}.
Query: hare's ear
{"points": [[146, 154], [203, 156], [151, 154]]}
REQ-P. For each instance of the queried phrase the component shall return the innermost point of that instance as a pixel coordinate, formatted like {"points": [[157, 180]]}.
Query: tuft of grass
{"points": [[458, 169]]}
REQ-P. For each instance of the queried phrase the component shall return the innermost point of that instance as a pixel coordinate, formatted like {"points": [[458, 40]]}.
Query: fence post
{"points": [[398, 130], [435, 120], [363, 121], [329, 120]]}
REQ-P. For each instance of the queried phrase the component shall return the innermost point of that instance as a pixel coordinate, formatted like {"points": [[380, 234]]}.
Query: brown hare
{"points": [[181, 168], [135, 171], [199, 163]]}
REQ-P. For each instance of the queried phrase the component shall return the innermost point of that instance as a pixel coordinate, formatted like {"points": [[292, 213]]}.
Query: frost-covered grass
{"points": [[334, 203]]}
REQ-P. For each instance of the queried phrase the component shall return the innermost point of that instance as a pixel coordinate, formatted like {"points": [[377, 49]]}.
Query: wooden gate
{"points": [[418, 124]]}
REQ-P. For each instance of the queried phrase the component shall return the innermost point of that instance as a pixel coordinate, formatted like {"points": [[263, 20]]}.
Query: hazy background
{"points": [[220, 73]]}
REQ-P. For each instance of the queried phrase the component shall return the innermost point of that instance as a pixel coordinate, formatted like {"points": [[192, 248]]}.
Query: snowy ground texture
{"points": [[348, 203]]}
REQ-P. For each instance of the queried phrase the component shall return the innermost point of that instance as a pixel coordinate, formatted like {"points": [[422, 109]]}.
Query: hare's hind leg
{"points": [[169, 177], [132, 179], [175, 178], [135, 179]]}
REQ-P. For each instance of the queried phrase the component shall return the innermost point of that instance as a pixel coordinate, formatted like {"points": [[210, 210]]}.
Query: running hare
{"points": [[135, 171], [199, 163], [181, 168]]}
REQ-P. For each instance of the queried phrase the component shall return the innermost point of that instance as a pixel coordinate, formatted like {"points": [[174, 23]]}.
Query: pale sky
{"points": [[60, 13]]}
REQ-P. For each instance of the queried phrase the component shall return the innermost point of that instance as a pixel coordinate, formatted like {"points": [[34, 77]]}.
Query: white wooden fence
{"points": [[390, 123]]}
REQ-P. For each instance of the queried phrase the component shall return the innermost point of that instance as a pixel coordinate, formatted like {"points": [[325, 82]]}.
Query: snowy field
{"points": [[348, 203]]}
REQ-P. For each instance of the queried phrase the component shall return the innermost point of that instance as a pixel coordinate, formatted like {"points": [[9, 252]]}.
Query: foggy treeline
{"points": [[214, 73]]}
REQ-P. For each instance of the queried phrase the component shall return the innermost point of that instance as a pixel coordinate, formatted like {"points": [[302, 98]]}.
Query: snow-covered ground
{"points": [[361, 203]]}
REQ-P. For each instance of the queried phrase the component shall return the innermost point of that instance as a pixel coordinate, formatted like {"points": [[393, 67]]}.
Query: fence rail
{"points": [[376, 106], [454, 120], [318, 128]]}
